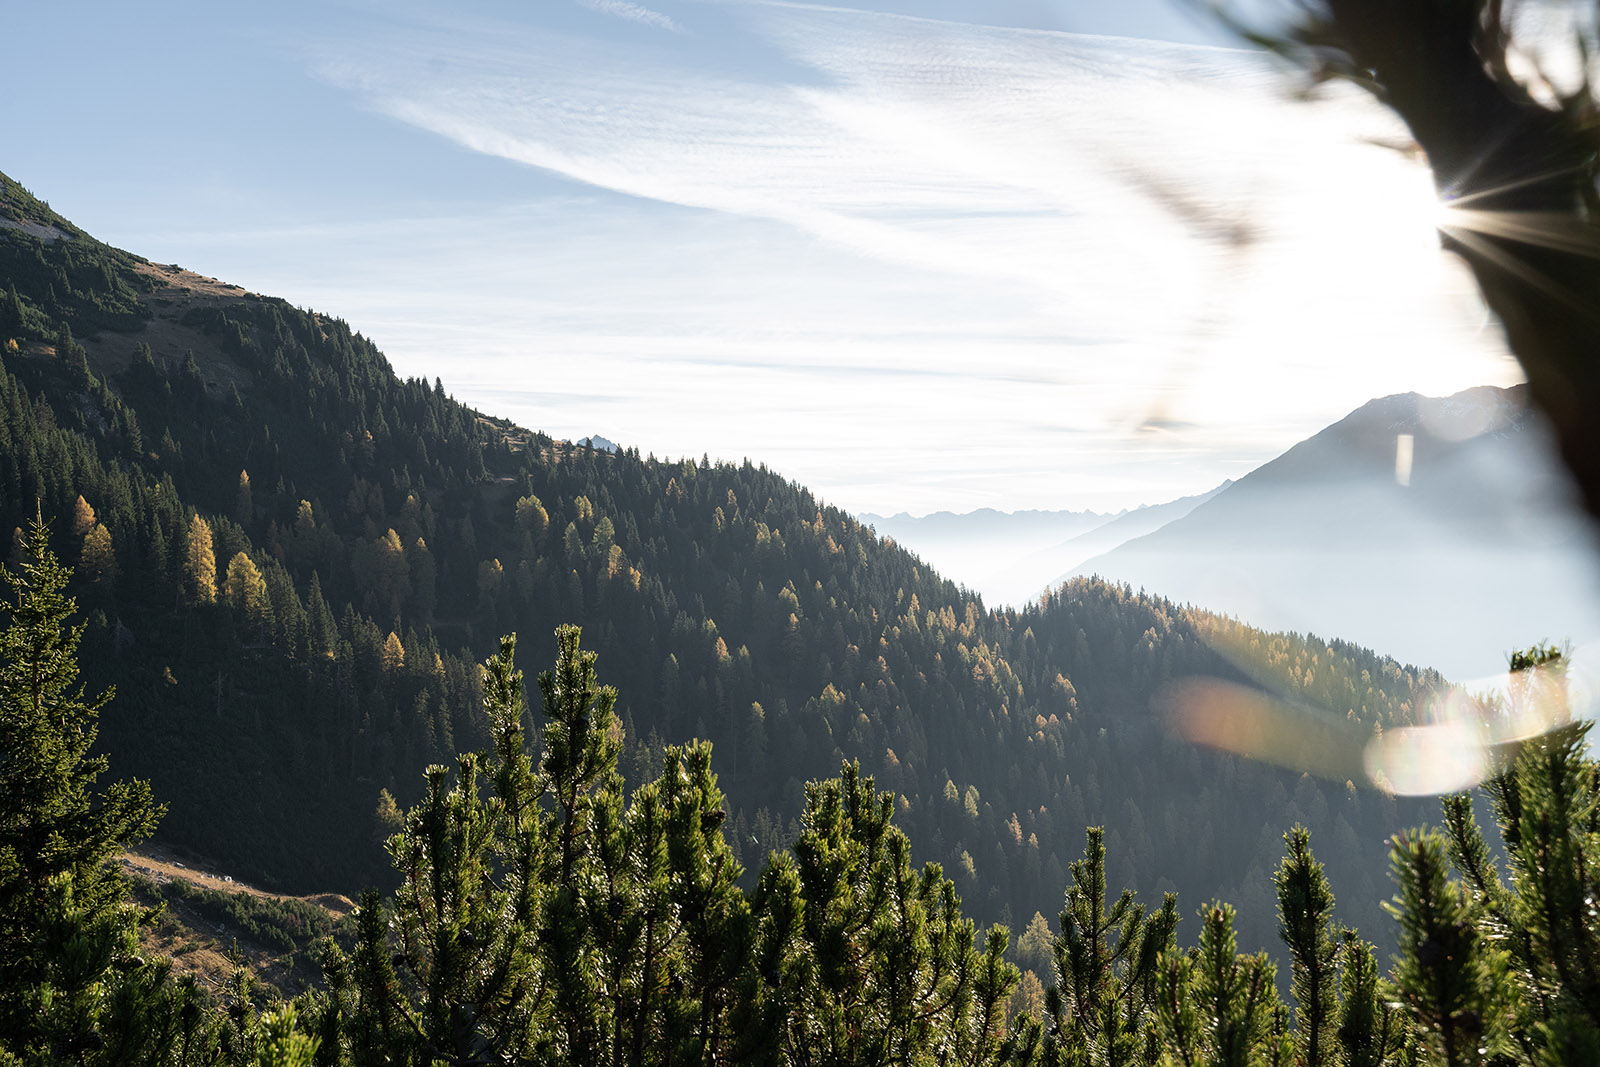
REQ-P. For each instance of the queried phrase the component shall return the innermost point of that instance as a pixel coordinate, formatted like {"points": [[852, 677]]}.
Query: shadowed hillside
{"points": [[294, 560]]}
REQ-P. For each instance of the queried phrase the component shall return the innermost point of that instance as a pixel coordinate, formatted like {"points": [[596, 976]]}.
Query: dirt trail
{"points": [[161, 868]]}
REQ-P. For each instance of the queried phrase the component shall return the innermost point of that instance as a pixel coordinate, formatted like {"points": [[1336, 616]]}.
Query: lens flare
{"points": [[1426, 760], [1462, 733], [1236, 718]]}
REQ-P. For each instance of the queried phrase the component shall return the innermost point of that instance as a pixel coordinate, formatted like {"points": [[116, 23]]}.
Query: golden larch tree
{"points": [[200, 563], [83, 518]]}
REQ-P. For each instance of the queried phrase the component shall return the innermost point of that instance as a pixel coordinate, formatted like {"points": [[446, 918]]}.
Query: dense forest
{"points": [[293, 562], [548, 914]]}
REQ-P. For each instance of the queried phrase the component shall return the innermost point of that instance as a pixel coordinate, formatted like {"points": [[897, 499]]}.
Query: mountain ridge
{"points": [[1484, 533], [294, 563]]}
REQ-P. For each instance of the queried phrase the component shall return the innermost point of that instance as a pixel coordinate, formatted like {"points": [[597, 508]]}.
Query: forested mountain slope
{"points": [[294, 560]]}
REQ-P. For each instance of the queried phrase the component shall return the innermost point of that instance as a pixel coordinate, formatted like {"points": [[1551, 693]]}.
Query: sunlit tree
{"points": [[246, 591], [200, 563], [98, 560]]}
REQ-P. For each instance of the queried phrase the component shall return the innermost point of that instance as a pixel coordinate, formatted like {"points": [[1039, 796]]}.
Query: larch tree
{"points": [[246, 591], [83, 517], [394, 654], [98, 560], [200, 563], [244, 508]]}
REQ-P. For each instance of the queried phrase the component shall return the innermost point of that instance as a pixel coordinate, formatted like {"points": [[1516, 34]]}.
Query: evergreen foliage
{"points": [[281, 922], [545, 911], [393, 532], [546, 915], [862, 958], [70, 977], [1108, 964], [1306, 926]]}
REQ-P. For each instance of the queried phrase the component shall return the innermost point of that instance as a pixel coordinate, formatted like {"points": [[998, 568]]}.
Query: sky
{"points": [[917, 255]]}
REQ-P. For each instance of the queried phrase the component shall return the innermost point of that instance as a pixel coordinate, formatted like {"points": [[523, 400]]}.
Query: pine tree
{"points": [[1107, 966], [707, 936], [860, 958], [72, 986], [1453, 980], [458, 981], [1305, 922], [1217, 1007], [1370, 1030], [579, 768]]}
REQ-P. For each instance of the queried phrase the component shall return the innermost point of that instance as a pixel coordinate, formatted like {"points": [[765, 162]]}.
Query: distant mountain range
{"points": [[291, 562], [981, 549], [1441, 530], [1012, 557]]}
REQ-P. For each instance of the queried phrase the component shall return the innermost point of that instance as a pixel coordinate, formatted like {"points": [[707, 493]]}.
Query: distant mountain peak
{"points": [[1441, 529]]}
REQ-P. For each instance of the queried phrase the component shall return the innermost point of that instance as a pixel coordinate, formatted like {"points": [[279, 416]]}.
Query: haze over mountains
{"points": [[1480, 550], [982, 549], [1441, 530], [292, 562], [1008, 557]]}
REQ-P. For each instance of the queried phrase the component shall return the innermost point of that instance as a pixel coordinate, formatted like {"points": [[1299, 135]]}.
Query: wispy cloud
{"points": [[1148, 228], [622, 9]]}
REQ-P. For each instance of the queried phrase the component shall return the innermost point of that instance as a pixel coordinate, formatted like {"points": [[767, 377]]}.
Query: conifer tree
{"points": [[581, 743], [1217, 1007], [1453, 979], [710, 916], [459, 981], [16, 316], [1340, 1017], [531, 520], [394, 654], [72, 986], [98, 559], [579, 769], [244, 511], [1107, 966], [246, 592], [858, 957], [83, 518], [200, 563], [1370, 1031], [1305, 923]]}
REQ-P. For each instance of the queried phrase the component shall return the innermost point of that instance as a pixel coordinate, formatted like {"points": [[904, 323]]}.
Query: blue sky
{"points": [[916, 254]]}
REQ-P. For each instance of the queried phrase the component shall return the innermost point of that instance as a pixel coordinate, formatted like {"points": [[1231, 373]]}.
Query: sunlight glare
{"points": [[1462, 734], [1426, 760]]}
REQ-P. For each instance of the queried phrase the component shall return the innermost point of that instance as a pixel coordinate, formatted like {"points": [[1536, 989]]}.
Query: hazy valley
{"points": [[1482, 547], [293, 562], [396, 534]]}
